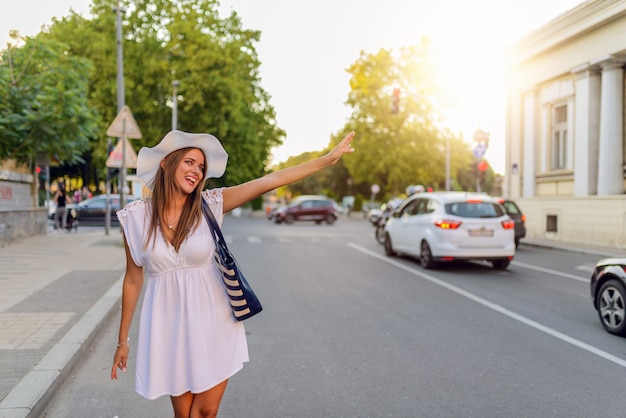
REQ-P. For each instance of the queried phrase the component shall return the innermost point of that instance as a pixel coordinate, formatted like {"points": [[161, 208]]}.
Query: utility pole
{"points": [[448, 185], [120, 104], [175, 85], [121, 100]]}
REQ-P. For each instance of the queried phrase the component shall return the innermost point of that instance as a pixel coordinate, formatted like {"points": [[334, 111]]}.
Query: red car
{"points": [[308, 208]]}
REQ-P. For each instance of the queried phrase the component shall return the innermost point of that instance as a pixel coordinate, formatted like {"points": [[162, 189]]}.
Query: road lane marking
{"points": [[586, 268], [498, 308], [550, 271], [252, 239]]}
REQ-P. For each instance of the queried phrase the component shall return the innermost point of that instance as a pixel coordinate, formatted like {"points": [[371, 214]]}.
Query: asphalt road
{"points": [[349, 332]]}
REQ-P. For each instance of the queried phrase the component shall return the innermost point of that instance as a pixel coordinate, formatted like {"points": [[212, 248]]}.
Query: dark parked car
{"points": [[92, 211], [308, 208], [518, 217], [608, 294]]}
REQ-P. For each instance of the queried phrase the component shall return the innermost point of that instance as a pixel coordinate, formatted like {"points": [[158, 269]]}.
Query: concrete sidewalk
{"points": [[55, 291]]}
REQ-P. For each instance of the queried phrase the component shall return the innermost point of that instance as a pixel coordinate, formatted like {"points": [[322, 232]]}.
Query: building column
{"points": [[586, 129], [610, 158], [529, 140]]}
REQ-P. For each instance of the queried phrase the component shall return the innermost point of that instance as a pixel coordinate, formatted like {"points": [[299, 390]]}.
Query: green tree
{"points": [[214, 59], [44, 106], [400, 143]]}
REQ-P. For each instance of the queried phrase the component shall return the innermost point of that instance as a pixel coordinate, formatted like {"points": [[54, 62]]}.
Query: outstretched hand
{"points": [[343, 147]]}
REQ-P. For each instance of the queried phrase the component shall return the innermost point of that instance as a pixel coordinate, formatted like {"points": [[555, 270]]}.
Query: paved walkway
{"points": [[55, 291]]}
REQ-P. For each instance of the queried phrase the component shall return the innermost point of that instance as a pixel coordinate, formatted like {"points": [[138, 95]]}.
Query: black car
{"points": [[608, 294], [92, 211], [518, 217]]}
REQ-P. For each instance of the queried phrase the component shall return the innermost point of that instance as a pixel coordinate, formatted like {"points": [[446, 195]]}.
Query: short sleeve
{"points": [[216, 203], [133, 220]]}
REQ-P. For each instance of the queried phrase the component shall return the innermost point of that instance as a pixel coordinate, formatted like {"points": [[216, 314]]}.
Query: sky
{"points": [[307, 45]]}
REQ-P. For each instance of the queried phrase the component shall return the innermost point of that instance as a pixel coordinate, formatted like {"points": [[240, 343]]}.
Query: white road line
{"points": [[586, 268], [500, 309], [550, 271], [254, 239]]}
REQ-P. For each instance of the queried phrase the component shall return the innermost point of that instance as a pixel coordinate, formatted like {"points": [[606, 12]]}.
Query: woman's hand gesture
{"points": [[343, 147], [119, 360]]}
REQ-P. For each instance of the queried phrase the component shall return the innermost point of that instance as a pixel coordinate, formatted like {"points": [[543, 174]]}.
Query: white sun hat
{"points": [[149, 159]]}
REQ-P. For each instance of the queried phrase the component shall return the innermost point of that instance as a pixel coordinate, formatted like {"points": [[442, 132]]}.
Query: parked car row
{"points": [[434, 227], [91, 212]]}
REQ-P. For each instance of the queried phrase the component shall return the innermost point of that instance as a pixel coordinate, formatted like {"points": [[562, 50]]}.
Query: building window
{"points": [[558, 150], [551, 223]]}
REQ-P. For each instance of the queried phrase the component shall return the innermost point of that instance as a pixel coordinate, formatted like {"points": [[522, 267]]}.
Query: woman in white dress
{"points": [[189, 343]]}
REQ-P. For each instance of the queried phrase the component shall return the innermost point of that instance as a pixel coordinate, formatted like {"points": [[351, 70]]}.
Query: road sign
{"points": [[117, 155], [479, 150], [124, 124], [481, 137]]}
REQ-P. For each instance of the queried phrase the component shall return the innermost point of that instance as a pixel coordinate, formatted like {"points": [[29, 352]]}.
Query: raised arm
{"points": [[238, 195]]}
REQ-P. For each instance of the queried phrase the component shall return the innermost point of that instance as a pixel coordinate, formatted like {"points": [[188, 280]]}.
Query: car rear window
{"points": [[511, 208], [475, 209]]}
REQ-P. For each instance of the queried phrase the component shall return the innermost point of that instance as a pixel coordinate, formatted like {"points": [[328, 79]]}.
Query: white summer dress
{"points": [[188, 339]]}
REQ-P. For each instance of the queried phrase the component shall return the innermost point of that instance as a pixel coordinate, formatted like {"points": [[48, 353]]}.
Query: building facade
{"points": [[565, 125], [19, 216]]}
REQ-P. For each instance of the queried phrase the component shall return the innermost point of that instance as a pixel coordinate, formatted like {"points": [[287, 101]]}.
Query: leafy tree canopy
{"points": [[44, 106], [214, 60], [400, 143]]}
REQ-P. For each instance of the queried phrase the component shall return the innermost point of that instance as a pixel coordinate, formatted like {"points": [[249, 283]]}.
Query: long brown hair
{"points": [[163, 188]]}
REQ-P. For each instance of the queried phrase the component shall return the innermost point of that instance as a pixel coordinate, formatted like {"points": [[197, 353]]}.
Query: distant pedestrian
{"points": [[60, 215], [189, 342], [85, 194]]}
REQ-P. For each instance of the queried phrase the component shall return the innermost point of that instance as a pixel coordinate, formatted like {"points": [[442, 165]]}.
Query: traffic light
{"points": [[482, 166], [111, 171], [395, 101], [42, 176]]}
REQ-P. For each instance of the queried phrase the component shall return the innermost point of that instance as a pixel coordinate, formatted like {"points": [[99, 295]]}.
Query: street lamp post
{"points": [[121, 101], [175, 85], [448, 180]]}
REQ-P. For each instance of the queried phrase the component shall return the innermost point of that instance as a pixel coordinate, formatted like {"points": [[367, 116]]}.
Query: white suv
{"points": [[447, 226]]}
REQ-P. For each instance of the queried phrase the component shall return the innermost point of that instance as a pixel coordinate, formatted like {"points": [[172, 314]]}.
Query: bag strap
{"points": [[216, 231]]}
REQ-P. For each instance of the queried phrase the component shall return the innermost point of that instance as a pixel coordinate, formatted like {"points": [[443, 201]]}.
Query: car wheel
{"points": [[611, 307], [380, 234], [289, 219], [330, 219], [500, 264], [426, 256], [388, 247]]}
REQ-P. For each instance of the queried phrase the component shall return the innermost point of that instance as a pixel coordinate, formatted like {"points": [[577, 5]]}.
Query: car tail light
{"points": [[508, 224], [447, 224], [473, 201], [523, 218]]}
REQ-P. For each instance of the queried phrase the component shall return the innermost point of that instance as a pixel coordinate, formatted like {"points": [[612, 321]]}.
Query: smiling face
{"points": [[190, 171]]}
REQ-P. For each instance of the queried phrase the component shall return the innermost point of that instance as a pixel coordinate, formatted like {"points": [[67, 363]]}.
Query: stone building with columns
{"points": [[565, 121]]}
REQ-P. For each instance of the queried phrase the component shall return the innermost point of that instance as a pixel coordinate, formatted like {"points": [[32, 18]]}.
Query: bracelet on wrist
{"points": [[123, 343]]}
